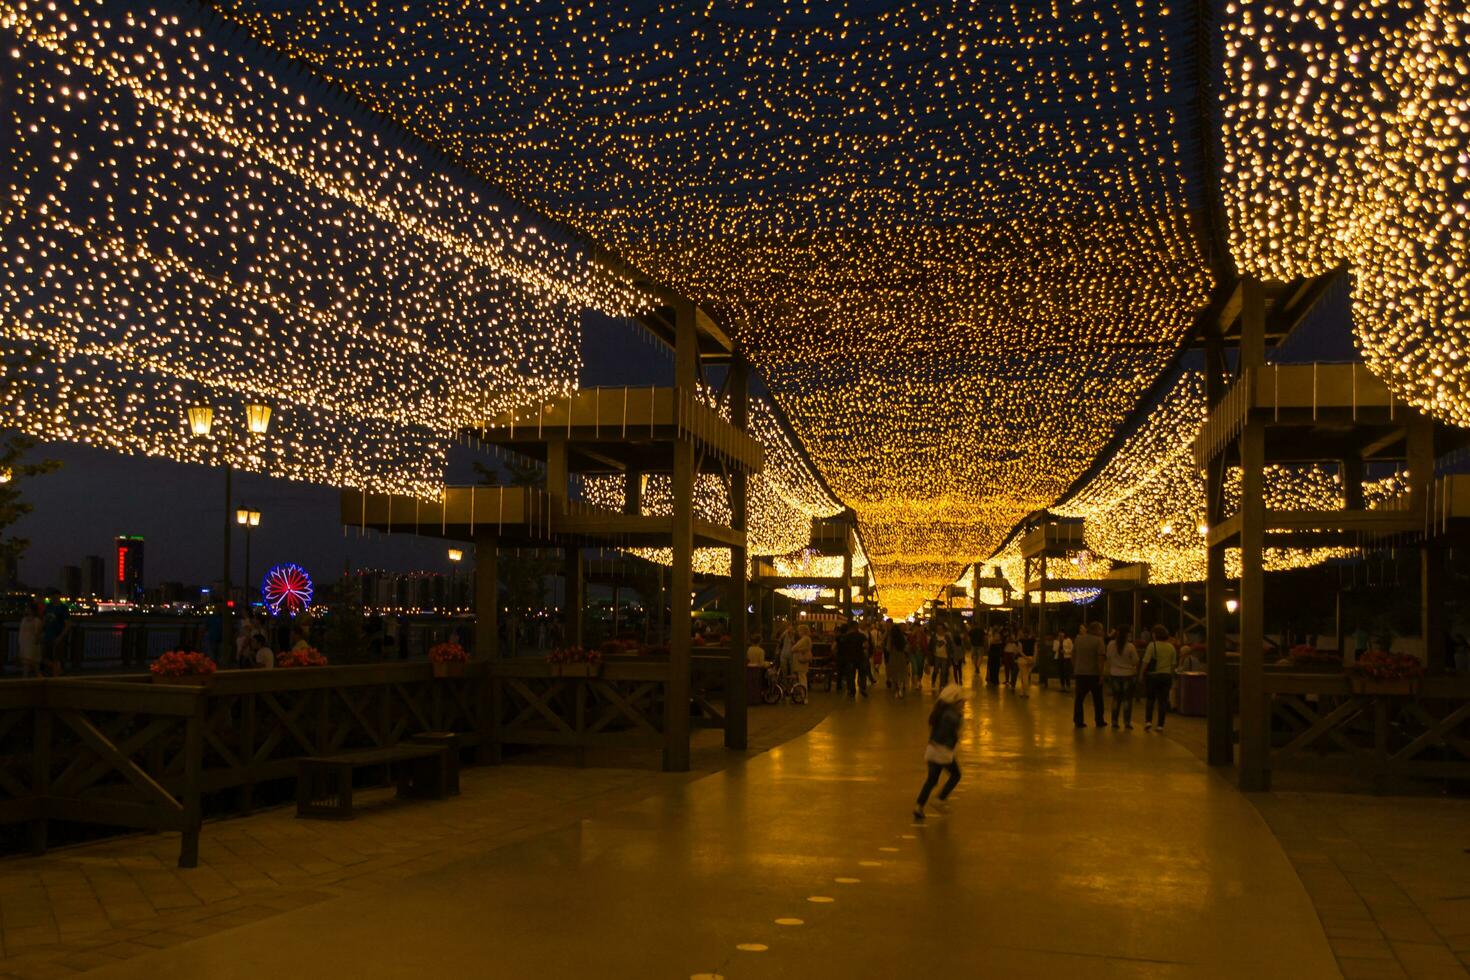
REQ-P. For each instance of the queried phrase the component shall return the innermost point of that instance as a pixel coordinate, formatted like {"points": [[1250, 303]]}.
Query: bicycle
{"points": [[776, 687]]}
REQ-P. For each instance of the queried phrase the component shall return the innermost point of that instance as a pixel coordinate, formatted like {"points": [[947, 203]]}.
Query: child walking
{"points": [[944, 735]]}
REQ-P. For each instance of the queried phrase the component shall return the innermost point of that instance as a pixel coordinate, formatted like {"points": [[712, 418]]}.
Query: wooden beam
{"points": [[736, 726]]}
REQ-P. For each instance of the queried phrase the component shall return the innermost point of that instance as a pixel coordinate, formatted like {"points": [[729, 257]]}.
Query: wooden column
{"points": [[1136, 612], [1421, 457], [487, 597], [556, 470], [574, 596], [1254, 771], [1041, 607], [847, 582], [736, 593], [681, 576], [632, 492], [1220, 723]]}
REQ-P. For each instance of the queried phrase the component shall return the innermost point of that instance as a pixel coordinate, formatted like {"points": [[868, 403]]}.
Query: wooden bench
{"points": [[324, 783]]}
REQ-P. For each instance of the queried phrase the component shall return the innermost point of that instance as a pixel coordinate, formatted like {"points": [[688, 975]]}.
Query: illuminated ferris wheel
{"points": [[286, 588]]}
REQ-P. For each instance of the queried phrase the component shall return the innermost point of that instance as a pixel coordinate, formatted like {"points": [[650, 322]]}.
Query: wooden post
{"points": [[41, 778], [487, 641], [1041, 607], [847, 582], [633, 492], [557, 474], [1254, 772], [1220, 726], [193, 777], [681, 576], [574, 594], [1136, 613], [735, 706]]}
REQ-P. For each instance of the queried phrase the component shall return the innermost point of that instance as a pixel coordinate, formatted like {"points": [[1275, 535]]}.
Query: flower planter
{"points": [[449, 668], [183, 680], [1404, 687]]}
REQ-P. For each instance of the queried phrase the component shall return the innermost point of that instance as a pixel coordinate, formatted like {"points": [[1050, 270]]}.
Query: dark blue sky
{"points": [[177, 507]]}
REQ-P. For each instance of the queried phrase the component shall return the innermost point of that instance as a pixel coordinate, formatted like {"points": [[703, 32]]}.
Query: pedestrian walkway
{"points": [[1088, 853]]}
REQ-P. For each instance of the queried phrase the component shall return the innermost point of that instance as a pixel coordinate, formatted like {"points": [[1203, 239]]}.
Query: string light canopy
{"points": [[958, 245], [191, 226], [1347, 141], [781, 500]]}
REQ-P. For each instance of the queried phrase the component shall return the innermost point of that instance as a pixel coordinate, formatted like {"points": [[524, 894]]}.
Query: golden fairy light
{"points": [[958, 246], [189, 223]]}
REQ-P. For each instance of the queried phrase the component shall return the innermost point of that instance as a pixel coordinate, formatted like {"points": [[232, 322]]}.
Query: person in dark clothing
{"points": [[944, 735], [852, 650], [1087, 669], [994, 646]]}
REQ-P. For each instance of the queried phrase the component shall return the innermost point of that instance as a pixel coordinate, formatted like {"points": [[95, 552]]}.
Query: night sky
{"points": [[177, 507]]}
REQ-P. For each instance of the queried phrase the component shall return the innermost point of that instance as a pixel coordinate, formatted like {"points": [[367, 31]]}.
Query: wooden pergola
{"points": [[1261, 414], [629, 433]]}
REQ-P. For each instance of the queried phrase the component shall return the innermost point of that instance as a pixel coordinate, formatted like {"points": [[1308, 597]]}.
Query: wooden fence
{"points": [[123, 752], [1320, 723]]}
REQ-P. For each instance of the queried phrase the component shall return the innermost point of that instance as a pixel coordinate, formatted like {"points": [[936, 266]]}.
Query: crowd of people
{"points": [[1091, 663]]}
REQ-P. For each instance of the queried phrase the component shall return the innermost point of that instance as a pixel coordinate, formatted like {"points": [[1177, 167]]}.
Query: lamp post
{"points": [[456, 555], [201, 425], [249, 520]]}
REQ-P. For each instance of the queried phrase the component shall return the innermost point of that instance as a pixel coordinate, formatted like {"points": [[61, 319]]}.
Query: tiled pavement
{"points": [[91, 905], [1389, 875]]}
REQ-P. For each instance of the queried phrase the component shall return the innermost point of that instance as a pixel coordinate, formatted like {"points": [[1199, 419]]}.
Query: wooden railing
{"points": [[1320, 723], [621, 705], [121, 751]]}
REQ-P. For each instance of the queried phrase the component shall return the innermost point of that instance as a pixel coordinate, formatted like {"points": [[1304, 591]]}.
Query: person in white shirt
{"points": [[29, 642], [1122, 657], [263, 655], [755, 654]]}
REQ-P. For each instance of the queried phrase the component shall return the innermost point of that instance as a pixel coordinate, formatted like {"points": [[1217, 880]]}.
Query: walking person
{"points": [[852, 650], [1160, 662], [1122, 657], [785, 642], [1025, 664], [1064, 661], [1087, 668], [28, 640], [993, 647], [939, 755], [1010, 651], [801, 654], [1046, 657], [939, 676], [896, 657]]}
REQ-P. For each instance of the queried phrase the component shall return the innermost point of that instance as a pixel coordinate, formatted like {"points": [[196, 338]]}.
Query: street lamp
{"points": [[456, 555], [249, 520], [201, 425]]}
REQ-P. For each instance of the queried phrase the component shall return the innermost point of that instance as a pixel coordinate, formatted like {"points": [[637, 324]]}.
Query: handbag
{"points": [[938, 755]]}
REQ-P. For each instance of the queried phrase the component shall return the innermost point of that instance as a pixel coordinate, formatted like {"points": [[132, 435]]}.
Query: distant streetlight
{"points": [[1231, 605], [249, 520], [201, 425], [6, 475], [455, 554]]}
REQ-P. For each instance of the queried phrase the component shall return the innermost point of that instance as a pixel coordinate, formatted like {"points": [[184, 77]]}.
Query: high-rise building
{"points": [[94, 577], [9, 572], [71, 581], [127, 584]]}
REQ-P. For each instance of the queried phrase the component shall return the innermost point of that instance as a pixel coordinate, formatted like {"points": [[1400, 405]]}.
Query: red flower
{"points": [[447, 653], [181, 663], [308, 657], [1381, 666]]}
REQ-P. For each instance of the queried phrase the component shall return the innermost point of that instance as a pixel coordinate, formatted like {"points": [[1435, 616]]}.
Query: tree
{"points": [[15, 466]]}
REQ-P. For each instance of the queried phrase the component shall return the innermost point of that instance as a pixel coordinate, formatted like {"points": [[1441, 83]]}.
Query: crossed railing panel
{"points": [[1377, 735]]}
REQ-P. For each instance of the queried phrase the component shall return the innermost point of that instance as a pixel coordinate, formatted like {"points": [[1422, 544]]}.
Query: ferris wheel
{"points": [[286, 589]]}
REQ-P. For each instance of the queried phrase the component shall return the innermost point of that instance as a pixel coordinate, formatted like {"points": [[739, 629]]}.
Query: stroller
{"points": [[775, 686]]}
